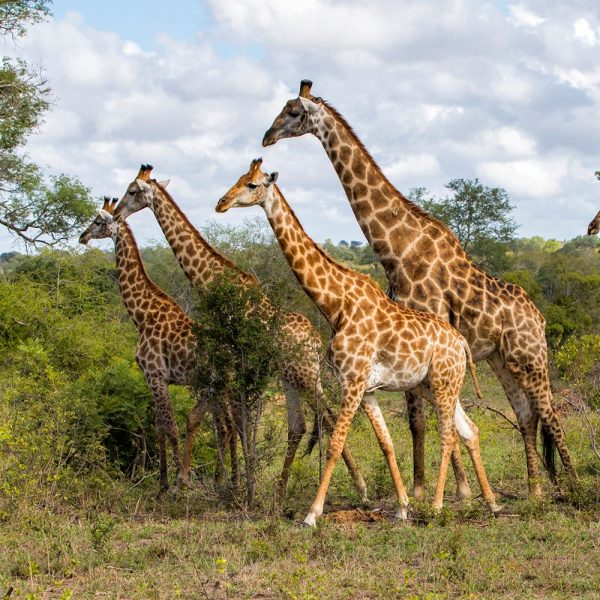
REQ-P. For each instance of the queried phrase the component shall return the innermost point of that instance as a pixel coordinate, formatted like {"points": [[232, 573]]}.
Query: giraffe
{"points": [[428, 270], [594, 226], [376, 344], [166, 352], [300, 373]]}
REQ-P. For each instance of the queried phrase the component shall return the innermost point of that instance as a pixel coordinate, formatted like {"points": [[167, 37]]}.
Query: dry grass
{"points": [[191, 547]]}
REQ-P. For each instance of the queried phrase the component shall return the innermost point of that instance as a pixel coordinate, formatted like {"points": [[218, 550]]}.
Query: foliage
{"points": [[15, 15], [37, 209], [237, 356], [579, 361], [478, 215]]}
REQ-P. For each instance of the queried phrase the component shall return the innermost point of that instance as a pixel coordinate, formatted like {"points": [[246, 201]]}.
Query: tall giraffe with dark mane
{"points": [[167, 345], [376, 344], [428, 270], [300, 371]]}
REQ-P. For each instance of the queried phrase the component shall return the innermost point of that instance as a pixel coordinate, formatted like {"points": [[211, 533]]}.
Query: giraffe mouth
{"points": [[84, 238], [593, 228], [269, 138], [223, 205]]}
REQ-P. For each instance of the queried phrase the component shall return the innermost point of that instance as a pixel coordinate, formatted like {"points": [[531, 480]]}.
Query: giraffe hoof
{"points": [[463, 493], [419, 493], [309, 521], [401, 514], [496, 509]]}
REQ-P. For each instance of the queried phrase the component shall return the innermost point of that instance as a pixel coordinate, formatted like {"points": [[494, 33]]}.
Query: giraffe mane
{"points": [[320, 250], [135, 249], [414, 207], [228, 263]]}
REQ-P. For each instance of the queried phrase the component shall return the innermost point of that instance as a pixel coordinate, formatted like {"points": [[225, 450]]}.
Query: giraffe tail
{"points": [[315, 435], [472, 369]]}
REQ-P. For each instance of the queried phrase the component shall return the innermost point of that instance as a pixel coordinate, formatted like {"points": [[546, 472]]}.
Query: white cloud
{"points": [[584, 32], [529, 178], [522, 17], [435, 90], [412, 166]]}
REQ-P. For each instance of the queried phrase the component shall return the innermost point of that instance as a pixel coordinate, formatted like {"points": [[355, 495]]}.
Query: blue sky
{"points": [[138, 20], [505, 92]]}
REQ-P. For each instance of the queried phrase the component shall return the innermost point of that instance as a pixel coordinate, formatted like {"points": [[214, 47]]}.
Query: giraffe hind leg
{"points": [[469, 433], [527, 419]]}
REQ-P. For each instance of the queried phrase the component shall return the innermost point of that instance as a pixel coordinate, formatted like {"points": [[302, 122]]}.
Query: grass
{"points": [[190, 546]]}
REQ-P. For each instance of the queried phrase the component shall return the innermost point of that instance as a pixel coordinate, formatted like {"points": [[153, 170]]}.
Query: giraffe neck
{"points": [[378, 206], [136, 287], [197, 258], [320, 276]]}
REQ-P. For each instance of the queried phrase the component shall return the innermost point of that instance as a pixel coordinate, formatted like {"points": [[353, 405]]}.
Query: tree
{"points": [[37, 209], [478, 215], [15, 15]]}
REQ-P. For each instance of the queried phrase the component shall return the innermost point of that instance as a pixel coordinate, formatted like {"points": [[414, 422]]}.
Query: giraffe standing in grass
{"points": [[300, 373], [167, 346], [376, 344], [594, 226], [428, 270]]}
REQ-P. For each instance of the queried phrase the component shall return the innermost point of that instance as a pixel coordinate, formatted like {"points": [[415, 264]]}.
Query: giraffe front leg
{"points": [[352, 393], [384, 438]]}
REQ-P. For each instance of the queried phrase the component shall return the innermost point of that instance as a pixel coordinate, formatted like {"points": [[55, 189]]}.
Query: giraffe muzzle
{"points": [[269, 138], [593, 228], [222, 205]]}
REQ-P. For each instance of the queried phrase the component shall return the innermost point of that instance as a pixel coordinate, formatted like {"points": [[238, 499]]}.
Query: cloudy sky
{"points": [[506, 92]]}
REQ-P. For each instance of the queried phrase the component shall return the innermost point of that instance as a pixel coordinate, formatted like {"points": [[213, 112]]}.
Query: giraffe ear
{"points": [[308, 105], [142, 185], [272, 178], [164, 183]]}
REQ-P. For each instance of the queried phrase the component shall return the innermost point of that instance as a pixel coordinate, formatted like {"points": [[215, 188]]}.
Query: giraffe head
{"points": [[594, 226], [250, 189], [299, 116], [141, 193], [104, 225]]}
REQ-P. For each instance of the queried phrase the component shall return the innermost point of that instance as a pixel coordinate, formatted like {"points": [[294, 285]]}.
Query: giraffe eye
{"points": [[131, 193], [252, 186], [294, 114]]}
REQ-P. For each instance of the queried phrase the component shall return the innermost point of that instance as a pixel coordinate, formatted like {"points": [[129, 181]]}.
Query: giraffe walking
{"points": [[167, 346], [376, 344], [428, 270], [300, 371]]}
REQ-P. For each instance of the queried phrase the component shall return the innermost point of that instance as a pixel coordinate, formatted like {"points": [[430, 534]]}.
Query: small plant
{"points": [[238, 354]]}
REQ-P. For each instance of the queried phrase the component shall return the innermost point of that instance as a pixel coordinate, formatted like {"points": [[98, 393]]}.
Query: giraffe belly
{"points": [[395, 379]]}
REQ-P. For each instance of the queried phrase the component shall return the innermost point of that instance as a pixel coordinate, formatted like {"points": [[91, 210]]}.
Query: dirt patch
{"points": [[356, 515]]}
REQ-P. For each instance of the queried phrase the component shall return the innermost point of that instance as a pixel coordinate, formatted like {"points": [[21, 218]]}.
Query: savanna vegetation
{"points": [[78, 479], [79, 511]]}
